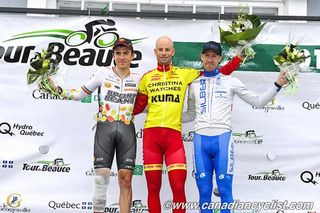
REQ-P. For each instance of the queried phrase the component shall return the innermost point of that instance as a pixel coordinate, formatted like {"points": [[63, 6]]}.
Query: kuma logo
{"points": [[72, 46]]}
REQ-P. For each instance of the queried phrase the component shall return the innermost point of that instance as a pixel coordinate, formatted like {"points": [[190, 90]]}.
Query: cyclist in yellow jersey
{"points": [[163, 90]]}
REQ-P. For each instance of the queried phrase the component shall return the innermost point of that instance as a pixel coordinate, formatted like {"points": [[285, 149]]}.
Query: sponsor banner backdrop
{"points": [[46, 144]]}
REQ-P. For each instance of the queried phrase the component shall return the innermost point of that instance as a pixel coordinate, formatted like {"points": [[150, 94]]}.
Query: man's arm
{"points": [[142, 97], [231, 65], [259, 100], [140, 103], [190, 114], [87, 89]]}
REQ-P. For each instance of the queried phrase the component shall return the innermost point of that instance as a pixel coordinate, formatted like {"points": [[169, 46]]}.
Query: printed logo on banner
{"points": [[20, 129], [249, 137], [164, 171], [99, 34], [310, 106], [138, 170], [309, 177], [13, 203], [137, 206], [70, 205], [6, 164], [92, 173], [271, 106], [274, 175], [87, 99], [39, 95], [57, 165], [139, 134], [188, 137]]}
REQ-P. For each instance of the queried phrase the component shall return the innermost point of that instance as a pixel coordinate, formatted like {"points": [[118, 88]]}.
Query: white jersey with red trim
{"points": [[116, 96]]}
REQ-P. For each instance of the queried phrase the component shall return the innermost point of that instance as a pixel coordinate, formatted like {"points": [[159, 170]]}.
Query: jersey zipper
{"points": [[211, 98], [165, 94], [121, 87]]}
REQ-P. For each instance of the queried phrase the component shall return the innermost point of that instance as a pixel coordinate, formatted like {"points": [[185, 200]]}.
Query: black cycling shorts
{"points": [[115, 137]]}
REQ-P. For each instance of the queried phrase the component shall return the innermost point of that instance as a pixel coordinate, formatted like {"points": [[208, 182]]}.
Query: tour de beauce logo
{"points": [[274, 175], [19, 129], [13, 203], [249, 137], [97, 40], [137, 206], [271, 106], [57, 165]]}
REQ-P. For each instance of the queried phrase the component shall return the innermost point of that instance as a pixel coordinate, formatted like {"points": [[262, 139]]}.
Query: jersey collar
{"points": [[164, 68], [211, 73]]}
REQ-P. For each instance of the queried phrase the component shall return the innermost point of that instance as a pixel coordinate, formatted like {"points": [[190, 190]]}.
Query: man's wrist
{"points": [[278, 86]]}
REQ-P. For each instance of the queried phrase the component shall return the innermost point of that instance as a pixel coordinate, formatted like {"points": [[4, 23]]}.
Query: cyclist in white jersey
{"points": [[210, 104], [115, 132]]}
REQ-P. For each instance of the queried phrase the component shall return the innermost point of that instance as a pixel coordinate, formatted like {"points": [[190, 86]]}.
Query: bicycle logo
{"points": [[103, 37]]}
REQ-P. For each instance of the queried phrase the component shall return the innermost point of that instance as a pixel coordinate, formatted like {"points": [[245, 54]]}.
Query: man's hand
{"points": [[282, 80], [47, 85]]}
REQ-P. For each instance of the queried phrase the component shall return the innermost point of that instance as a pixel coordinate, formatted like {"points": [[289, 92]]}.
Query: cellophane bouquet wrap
{"points": [[289, 60], [42, 68], [241, 34]]}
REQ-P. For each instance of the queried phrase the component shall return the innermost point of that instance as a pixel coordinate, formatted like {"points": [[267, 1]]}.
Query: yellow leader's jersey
{"points": [[166, 91]]}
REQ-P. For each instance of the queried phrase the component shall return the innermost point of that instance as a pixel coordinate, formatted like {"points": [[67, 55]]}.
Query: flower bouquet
{"points": [[241, 34], [289, 60], [43, 67]]}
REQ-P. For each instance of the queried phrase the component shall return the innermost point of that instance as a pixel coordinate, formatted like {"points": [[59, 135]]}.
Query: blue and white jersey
{"points": [[211, 96]]}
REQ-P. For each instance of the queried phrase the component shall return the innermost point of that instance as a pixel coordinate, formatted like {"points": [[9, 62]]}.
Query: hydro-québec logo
{"points": [[249, 137], [85, 47], [22, 129], [57, 166]]}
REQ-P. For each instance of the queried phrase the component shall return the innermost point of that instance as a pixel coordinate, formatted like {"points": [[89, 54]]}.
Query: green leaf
{"points": [[232, 39], [254, 19]]}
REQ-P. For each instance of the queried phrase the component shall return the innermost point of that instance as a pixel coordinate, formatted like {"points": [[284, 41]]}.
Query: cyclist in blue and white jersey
{"points": [[210, 104]]}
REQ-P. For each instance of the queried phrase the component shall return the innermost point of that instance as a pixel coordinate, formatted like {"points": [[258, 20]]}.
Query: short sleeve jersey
{"points": [[166, 91]]}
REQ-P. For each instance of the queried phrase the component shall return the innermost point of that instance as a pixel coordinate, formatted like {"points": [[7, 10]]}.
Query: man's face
{"points": [[164, 51], [123, 57], [210, 60]]}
